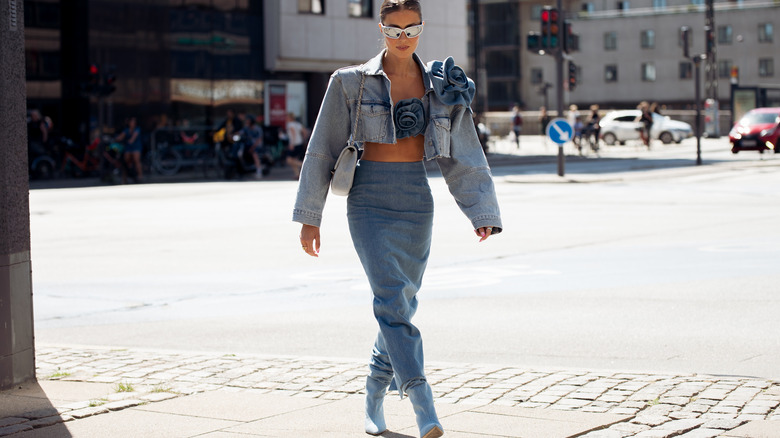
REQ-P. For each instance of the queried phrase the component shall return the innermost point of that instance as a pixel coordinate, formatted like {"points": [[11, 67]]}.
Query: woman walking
{"points": [[409, 112]]}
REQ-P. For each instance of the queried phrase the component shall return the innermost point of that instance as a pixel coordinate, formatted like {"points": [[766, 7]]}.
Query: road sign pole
{"points": [[559, 82]]}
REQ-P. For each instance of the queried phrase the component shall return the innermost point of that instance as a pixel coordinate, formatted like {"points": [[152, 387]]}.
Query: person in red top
{"points": [[517, 123]]}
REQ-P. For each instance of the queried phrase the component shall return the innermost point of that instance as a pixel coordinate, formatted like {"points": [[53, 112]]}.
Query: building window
{"points": [[42, 15], [501, 62], [503, 93], [724, 68], [536, 12], [697, 2], [588, 8], [610, 73], [725, 34], [501, 24], [686, 70], [659, 4], [765, 33], [648, 72], [766, 67], [42, 65], [361, 8], [537, 76], [622, 5], [648, 39], [311, 7], [610, 40]]}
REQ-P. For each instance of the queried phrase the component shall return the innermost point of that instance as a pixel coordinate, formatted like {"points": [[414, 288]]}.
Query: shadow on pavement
{"points": [[28, 406], [388, 434]]}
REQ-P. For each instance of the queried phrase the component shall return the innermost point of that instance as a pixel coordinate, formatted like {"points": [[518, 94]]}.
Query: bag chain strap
{"points": [[360, 100]]}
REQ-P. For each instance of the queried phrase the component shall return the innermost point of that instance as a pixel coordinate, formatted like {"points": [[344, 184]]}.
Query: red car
{"points": [[758, 130]]}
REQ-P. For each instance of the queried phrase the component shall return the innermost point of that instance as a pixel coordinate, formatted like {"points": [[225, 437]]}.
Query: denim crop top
{"points": [[409, 118], [451, 139]]}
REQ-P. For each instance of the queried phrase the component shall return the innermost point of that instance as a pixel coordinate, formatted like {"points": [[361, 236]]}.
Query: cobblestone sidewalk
{"points": [[659, 405]]}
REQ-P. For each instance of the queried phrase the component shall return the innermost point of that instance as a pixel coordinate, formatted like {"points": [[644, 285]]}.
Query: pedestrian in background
{"points": [[227, 128], [296, 146], [254, 136], [133, 146], [594, 125], [390, 205], [37, 131], [645, 118], [517, 123], [544, 120], [572, 117]]}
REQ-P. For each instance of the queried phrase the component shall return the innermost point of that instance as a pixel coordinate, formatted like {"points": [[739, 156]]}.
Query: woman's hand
{"points": [[484, 232], [310, 240]]}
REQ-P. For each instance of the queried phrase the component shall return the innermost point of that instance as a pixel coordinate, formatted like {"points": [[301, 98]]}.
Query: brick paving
{"points": [[659, 405]]}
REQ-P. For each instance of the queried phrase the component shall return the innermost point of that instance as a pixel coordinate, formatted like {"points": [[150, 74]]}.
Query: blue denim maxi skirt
{"points": [[390, 212]]}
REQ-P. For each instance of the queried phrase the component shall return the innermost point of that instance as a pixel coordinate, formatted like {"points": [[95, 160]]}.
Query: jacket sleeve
{"points": [[468, 175], [329, 136]]}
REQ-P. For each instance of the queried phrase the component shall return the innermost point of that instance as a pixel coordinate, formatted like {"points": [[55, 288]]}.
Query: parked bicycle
{"points": [[98, 158], [174, 149]]}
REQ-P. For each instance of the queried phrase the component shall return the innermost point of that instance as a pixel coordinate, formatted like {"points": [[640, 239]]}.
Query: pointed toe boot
{"points": [[421, 397], [375, 415]]}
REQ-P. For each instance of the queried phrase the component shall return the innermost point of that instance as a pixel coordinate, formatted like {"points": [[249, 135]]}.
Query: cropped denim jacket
{"points": [[450, 137]]}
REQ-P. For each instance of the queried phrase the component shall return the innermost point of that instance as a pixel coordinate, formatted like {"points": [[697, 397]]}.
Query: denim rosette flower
{"points": [[450, 82], [409, 116]]}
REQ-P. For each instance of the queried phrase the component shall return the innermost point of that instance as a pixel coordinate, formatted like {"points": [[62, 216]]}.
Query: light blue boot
{"points": [[422, 402], [375, 414]]}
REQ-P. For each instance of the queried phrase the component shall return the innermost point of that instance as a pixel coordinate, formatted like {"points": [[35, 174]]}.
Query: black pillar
{"points": [[74, 65], [17, 351]]}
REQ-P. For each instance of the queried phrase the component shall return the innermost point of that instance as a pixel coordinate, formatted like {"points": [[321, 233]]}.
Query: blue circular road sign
{"points": [[559, 131]]}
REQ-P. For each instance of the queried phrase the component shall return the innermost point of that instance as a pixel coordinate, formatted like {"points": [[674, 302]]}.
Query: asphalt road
{"points": [[650, 264]]}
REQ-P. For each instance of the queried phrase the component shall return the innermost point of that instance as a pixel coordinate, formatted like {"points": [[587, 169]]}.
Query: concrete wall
{"points": [[17, 354]]}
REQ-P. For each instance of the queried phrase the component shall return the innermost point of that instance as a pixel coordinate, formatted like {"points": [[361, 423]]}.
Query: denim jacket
{"points": [[450, 137]]}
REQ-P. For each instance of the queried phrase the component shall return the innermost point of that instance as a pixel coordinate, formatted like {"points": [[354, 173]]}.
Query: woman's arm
{"points": [[468, 176], [329, 136]]}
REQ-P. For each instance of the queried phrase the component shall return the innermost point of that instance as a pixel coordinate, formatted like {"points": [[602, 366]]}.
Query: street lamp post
{"points": [[685, 34], [697, 63]]}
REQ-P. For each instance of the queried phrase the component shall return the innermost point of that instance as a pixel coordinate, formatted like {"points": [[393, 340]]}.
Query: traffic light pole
{"points": [[559, 84], [554, 40]]}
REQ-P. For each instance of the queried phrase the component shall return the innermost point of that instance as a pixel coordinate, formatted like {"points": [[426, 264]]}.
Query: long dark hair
{"points": [[390, 6]]}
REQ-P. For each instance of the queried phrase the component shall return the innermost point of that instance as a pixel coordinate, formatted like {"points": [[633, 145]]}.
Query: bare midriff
{"points": [[405, 150]]}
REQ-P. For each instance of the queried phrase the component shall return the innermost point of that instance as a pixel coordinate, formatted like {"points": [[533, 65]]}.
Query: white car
{"points": [[621, 126]]}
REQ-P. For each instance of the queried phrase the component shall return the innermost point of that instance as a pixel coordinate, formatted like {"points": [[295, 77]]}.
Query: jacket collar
{"points": [[374, 67]]}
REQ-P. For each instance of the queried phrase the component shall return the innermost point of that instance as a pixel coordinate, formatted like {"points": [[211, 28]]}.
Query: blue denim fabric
{"points": [[409, 118], [450, 82], [390, 212], [450, 139]]}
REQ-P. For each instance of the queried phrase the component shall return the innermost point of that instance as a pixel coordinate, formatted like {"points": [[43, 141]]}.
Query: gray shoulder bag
{"points": [[344, 170]]}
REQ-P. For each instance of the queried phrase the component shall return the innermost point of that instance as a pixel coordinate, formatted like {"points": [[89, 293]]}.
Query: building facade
{"points": [[629, 51], [175, 60]]}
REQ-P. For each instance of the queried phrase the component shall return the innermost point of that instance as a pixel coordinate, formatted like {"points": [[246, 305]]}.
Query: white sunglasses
{"points": [[395, 32]]}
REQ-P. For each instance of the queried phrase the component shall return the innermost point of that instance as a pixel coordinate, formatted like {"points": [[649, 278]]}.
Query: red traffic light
{"points": [[93, 69], [545, 15]]}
